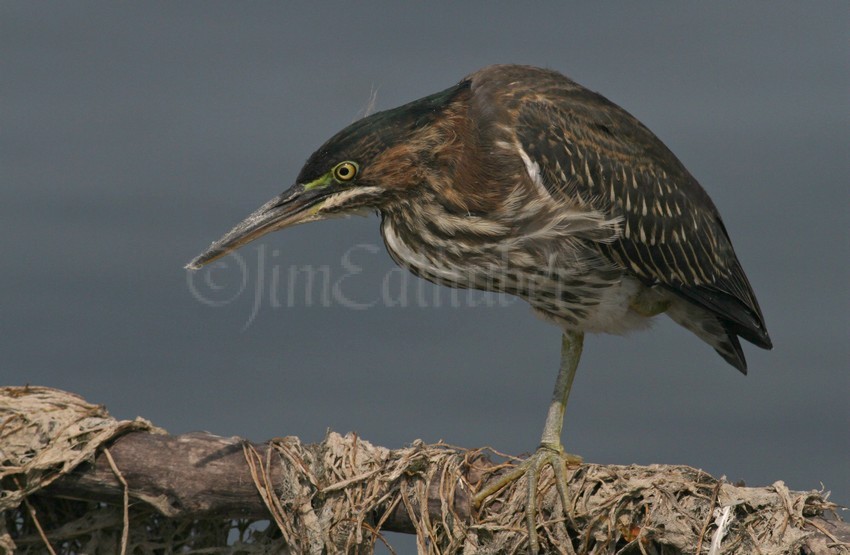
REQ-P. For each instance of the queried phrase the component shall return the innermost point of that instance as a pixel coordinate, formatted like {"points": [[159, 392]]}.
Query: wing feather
{"points": [[594, 153]]}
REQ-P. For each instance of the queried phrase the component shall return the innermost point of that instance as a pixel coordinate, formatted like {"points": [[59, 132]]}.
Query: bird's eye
{"points": [[345, 171]]}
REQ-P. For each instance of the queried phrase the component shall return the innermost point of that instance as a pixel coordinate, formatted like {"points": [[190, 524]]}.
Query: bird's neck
{"points": [[460, 190], [427, 231]]}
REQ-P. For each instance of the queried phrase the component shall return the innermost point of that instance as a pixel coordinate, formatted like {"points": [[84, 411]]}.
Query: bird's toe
{"points": [[532, 469]]}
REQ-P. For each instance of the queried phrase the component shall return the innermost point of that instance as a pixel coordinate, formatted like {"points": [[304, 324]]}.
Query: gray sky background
{"points": [[132, 135]]}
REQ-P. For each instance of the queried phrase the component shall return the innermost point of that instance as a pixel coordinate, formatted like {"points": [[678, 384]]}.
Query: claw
{"points": [[532, 468]]}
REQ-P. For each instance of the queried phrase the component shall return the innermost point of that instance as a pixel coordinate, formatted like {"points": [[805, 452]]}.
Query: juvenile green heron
{"points": [[519, 180]]}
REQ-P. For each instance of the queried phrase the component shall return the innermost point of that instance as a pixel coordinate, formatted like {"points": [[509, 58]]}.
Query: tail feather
{"points": [[720, 334]]}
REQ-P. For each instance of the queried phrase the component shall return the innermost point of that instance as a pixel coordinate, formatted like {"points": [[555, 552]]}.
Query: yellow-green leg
{"points": [[550, 452]]}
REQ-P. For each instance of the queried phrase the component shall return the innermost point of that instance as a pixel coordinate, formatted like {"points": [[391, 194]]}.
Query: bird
{"points": [[519, 180]]}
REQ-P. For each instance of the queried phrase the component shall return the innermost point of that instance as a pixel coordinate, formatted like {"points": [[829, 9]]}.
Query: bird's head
{"points": [[372, 162]]}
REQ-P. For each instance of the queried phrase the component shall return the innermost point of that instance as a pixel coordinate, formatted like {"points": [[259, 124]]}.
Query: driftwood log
{"points": [[75, 480]]}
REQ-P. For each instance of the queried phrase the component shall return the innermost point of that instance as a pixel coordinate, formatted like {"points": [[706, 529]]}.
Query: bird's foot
{"points": [[552, 455]]}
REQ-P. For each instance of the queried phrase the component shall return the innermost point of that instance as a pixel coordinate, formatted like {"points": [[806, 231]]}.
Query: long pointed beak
{"points": [[290, 208]]}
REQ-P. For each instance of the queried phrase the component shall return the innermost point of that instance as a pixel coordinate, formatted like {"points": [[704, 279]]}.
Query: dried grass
{"points": [[338, 495]]}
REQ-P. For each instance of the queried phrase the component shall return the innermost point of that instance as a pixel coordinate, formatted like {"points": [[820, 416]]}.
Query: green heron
{"points": [[519, 180]]}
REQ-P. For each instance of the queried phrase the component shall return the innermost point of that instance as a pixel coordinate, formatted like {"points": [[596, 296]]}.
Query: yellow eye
{"points": [[345, 171]]}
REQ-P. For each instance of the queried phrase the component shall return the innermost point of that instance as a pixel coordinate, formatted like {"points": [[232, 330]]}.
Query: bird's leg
{"points": [[550, 452], [571, 345]]}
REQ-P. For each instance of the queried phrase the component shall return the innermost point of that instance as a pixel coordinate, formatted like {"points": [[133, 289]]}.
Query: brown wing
{"points": [[595, 153]]}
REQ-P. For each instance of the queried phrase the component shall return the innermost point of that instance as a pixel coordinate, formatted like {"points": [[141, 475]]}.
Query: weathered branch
{"points": [[334, 496], [195, 475]]}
